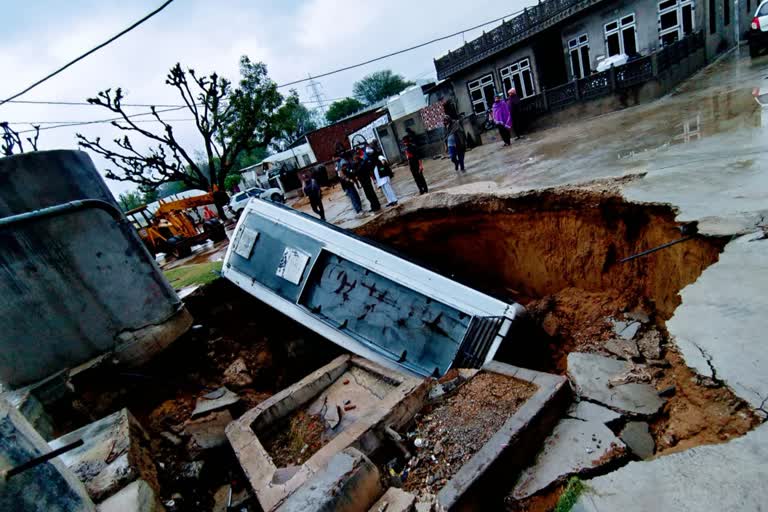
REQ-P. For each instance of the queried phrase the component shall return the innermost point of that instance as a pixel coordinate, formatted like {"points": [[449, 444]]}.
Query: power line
{"points": [[101, 121], [398, 52], [75, 122], [85, 103], [89, 52]]}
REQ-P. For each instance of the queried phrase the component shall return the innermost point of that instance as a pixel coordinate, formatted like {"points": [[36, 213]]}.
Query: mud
{"points": [[557, 252], [297, 439]]}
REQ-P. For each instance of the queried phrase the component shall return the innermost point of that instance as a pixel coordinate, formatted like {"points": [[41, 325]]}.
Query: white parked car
{"points": [[240, 199]]}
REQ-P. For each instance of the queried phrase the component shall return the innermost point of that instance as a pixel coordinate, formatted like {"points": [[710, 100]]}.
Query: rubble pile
{"points": [[296, 440], [448, 433]]}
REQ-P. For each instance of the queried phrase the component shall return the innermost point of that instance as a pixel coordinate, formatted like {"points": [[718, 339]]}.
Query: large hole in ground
{"points": [[558, 254]]}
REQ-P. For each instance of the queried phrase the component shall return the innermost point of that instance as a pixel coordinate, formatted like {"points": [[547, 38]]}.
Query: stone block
{"points": [[115, 453], [590, 375], [138, 496], [574, 448], [50, 486], [638, 438], [349, 483], [587, 411], [207, 431], [394, 500]]}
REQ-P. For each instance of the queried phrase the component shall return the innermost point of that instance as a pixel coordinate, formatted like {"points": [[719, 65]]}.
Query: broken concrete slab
{"points": [[637, 437], [350, 482], [216, 399], [590, 375], [720, 326], [587, 411], [50, 486], [574, 448], [138, 496], [207, 431], [394, 500], [32, 409], [625, 329], [237, 374], [728, 476], [116, 452], [625, 349]]}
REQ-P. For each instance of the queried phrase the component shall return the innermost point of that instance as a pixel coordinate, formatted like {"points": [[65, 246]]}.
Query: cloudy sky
{"points": [[293, 37]]}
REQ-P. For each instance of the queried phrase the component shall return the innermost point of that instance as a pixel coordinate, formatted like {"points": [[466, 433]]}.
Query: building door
{"points": [[481, 92], [621, 36], [676, 20], [578, 48], [519, 76]]}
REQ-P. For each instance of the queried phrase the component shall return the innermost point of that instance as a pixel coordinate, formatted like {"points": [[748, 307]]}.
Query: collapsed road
{"points": [[646, 374]]}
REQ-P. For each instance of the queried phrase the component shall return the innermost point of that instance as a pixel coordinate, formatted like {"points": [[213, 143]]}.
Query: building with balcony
{"points": [[560, 52]]}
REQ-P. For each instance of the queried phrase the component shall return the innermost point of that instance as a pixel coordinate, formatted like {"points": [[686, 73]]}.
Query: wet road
{"points": [[702, 147]]}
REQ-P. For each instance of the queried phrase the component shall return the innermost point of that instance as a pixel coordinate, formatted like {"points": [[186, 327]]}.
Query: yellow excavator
{"points": [[172, 228]]}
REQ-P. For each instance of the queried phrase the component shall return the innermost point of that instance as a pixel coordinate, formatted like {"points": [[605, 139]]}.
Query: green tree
{"points": [[342, 108], [230, 120], [294, 120], [379, 85], [130, 200], [231, 181]]}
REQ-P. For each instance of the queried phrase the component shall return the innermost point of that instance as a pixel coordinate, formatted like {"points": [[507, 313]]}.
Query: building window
{"points": [[675, 20], [726, 12], [307, 161], [518, 75], [621, 36], [481, 93], [712, 17], [578, 49]]}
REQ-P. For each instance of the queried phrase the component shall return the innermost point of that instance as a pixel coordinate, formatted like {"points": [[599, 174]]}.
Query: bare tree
{"points": [[12, 139], [230, 121]]}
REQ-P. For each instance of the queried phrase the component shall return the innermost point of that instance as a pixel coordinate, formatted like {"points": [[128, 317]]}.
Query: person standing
{"points": [[502, 118], [384, 175], [417, 169], [348, 185], [455, 142], [314, 194], [515, 119], [364, 167]]}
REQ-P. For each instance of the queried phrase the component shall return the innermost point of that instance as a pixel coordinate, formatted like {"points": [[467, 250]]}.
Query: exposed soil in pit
{"points": [[557, 253], [162, 394]]}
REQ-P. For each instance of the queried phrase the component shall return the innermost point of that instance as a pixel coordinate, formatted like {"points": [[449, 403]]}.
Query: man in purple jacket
{"points": [[502, 118]]}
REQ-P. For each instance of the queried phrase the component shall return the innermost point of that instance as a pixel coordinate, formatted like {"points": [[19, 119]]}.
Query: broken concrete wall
{"points": [[78, 284], [50, 486]]}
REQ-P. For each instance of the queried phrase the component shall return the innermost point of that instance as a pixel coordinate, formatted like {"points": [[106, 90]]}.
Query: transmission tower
{"points": [[316, 95]]}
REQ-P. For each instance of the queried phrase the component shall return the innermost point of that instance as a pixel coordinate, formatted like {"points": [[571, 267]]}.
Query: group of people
{"points": [[504, 114]]}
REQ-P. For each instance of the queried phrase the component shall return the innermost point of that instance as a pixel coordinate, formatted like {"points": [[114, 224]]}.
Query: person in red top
{"points": [[417, 169], [208, 214]]}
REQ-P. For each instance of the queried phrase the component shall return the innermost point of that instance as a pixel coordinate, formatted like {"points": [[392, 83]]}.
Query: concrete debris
{"points": [[207, 431], [349, 483], [639, 316], [171, 438], [237, 375], [728, 476], [638, 438], [116, 452], [575, 447], [217, 399], [192, 470], [650, 345], [624, 349], [587, 411], [51, 486], [625, 330], [32, 409], [394, 500], [138, 496], [590, 375]]}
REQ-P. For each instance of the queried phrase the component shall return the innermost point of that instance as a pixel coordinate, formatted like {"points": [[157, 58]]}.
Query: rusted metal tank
{"points": [[75, 280]]}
